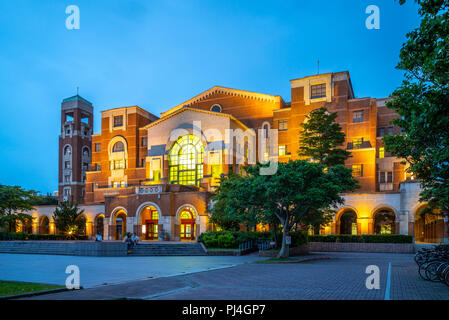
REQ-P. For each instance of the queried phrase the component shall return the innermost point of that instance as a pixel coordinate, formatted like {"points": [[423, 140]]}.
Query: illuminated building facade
{"points": [[153, 175]]}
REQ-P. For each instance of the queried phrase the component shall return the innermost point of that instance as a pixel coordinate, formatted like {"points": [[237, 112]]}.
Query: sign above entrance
{"points": [[149, 189]]}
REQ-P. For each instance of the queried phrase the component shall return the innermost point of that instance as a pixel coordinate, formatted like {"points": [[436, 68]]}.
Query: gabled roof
{"points": [[232, 92], [186, 108]]}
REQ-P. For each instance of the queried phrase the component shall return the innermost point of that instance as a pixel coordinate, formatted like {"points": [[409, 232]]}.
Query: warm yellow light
{"points": [[144, 229]]}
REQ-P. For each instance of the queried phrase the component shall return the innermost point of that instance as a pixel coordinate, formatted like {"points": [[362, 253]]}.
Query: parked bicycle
{"points": [[433, 264]]}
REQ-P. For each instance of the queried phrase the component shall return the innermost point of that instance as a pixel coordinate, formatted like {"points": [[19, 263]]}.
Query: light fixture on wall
{"points": [[144, 229]]}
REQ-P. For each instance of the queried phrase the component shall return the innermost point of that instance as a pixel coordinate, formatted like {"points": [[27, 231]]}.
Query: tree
{"points": [[422, 101], [230, 207], [321, 138], [297, 188], [67, 218], [14, 203], [319, 142]]}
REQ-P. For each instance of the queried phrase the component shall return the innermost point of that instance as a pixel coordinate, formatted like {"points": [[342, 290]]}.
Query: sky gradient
{"points": [[157, 54]]}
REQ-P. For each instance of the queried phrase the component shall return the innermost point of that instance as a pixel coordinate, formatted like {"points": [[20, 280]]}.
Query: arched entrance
{"points": [[149, 220], [187, 224], [385, 222], [119, 225], [348, 222], [429, 226], [44, 225], [99, 225]]}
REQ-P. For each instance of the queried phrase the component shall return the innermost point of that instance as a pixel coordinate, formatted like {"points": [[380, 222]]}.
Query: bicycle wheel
{"points": [[419, 258], [431, 271], [422, 271], [446, 279], [442, 269]]}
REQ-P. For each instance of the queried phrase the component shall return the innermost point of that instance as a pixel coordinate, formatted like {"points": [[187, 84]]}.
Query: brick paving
{"points": [[342, 277]]}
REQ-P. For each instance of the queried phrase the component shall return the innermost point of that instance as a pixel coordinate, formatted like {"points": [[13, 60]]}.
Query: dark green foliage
{"points": [[422, 101], [15, 202], [46, 200], [372, 238], [232, 239], [68, 219], [321, 139]]}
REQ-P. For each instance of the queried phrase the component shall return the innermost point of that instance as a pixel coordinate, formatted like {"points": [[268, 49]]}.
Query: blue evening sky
{"points": [[157, 54]]}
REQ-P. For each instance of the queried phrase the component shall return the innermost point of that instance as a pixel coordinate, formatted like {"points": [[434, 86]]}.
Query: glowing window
{"points": [[186, 214], [357, 170], [154, 215], [381, 153], [186, 161], [282, 151]]}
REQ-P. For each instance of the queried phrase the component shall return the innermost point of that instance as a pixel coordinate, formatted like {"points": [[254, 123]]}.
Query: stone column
{"points": [[446, 231]]}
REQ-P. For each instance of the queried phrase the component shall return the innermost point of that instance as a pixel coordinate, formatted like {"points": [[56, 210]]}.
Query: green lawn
{"points": [[8, 288]]}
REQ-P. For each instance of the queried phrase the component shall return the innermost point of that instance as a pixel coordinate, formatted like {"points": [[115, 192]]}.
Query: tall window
{"points": [[282, 151], [185, 161], [318, 91], [357, 170], [381, 153], [97, 147], [283, 125], [144, 141], [357, 116]]}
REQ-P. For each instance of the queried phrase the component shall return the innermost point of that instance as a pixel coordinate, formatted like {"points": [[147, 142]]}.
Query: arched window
{"points": [[185, 161], [67, 150], [118, 147], [86, 152], [216, 108]]}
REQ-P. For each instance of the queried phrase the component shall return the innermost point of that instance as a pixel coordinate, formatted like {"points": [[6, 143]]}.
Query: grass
{"points": [[8, 288]]}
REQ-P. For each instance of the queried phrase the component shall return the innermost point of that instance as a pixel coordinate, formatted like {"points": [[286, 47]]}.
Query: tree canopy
{"points": [[321, 138], [422, 101], [15, 202], [68, 219]]}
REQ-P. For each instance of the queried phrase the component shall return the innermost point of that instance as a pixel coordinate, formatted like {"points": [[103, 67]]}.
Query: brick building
{"points": [[153, 175]]}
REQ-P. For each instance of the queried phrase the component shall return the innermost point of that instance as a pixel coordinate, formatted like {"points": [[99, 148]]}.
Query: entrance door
{"points": [[151, 228], [187, 230]]}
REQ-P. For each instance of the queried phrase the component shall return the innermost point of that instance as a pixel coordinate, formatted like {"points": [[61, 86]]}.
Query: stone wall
{"points": [[361, 247], [70, 248]]}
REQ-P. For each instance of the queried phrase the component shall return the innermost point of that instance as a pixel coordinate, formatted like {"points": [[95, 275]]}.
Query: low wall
{"points": [[70, 248], [361, 247], [294, 251]]}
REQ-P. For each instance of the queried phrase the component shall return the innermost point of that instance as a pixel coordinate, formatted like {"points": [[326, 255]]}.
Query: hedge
{"points": [[368, 238], [27, 236], [231, 239]]}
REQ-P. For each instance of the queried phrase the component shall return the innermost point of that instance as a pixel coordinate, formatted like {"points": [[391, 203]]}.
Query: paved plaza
{"points": [[342, 277], [95, 271]]}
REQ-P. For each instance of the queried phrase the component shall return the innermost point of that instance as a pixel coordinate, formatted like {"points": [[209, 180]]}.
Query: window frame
{"points": [[358, 119], [282, 125], [318, 91], [116, 124]]}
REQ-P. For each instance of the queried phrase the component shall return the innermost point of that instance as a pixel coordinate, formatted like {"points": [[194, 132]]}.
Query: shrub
{"points": [[226, 241]]}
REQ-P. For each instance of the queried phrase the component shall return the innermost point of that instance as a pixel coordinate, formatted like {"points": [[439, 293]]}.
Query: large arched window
{"points": [[118, 147], [186, 161]]}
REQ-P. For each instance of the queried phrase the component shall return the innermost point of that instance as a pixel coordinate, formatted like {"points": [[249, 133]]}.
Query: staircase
{"points": [[167, 249]]}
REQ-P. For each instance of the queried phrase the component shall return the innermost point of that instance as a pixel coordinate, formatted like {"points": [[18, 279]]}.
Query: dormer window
{"points": [[318, 91], [215, 108]]}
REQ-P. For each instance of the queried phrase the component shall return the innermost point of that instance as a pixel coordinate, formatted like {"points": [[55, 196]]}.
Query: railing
{"points": [[259, 244]]}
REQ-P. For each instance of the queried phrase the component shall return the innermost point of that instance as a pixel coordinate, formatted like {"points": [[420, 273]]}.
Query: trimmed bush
{"points": [[231, 239], [367, 238], [226, 241]]}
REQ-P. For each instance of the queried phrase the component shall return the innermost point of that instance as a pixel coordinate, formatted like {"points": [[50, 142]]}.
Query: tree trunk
{"points": [[285, 248]]}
